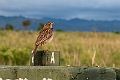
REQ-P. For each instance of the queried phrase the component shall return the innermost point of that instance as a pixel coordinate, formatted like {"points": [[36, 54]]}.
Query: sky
{"points": [[62, 9]]}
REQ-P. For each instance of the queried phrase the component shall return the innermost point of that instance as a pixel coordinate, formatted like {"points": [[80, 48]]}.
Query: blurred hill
{"points": [[72, 24]]}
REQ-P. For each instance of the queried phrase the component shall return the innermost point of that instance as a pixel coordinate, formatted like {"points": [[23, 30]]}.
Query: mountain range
{"points": [[75, 24]]}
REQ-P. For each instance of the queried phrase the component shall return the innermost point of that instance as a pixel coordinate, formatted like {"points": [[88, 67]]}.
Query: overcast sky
{"points": [[64, 9]]}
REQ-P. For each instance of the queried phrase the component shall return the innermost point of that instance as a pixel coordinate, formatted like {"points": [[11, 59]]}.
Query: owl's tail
{"points": [[34, 51]]}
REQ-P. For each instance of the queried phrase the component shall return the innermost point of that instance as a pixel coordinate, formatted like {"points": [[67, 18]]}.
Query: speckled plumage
{"points": [[45, 35]]}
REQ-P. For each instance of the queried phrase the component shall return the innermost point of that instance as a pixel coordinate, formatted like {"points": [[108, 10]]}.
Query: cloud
{"points": [[87, 9]]}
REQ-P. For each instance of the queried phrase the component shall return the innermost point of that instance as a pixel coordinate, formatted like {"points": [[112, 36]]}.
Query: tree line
{"points": [[24, 23]]}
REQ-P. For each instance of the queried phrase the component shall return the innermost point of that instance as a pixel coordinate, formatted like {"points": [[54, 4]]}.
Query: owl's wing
{"points": [[44, 35]]}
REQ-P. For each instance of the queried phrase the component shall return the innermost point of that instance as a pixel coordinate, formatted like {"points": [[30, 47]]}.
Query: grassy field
{"points": [[76, 48]]}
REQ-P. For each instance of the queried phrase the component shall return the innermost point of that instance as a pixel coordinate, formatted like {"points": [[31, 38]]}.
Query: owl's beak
{"points": [[52, 22]]}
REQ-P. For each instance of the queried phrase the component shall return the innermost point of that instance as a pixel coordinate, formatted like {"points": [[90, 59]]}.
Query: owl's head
{"points": [[48, 25]]}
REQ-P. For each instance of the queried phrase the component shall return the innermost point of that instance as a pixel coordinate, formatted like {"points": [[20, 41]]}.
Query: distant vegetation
{"points": [[9, 26], [75, 24], [26, 23], [41, 25], [60, 30], [116, 32], [76, 48]]}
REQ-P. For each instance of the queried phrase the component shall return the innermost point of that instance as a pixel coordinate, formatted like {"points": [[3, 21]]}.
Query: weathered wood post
{"points": [[45, 58]]}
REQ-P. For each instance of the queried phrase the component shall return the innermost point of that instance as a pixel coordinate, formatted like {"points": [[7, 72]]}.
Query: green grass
{"points": [[76, 48]]}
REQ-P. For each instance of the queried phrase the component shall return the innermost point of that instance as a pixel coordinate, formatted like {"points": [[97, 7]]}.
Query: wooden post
{"points": [[45, 58]]}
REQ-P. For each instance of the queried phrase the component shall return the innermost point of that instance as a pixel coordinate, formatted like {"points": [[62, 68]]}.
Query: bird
{"points": [[45, 36]]}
